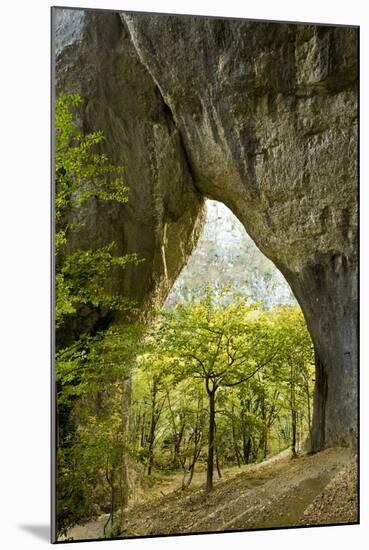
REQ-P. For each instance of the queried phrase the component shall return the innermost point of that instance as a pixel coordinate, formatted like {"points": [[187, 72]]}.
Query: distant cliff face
{"points": [[225, 254], [260, 116]]}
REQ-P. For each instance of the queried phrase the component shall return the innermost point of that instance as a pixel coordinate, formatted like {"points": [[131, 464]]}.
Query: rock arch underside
{"points": [[260, 116]]}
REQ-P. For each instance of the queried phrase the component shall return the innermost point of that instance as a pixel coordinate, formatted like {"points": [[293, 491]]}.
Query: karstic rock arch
{"points": [[261, 116]]}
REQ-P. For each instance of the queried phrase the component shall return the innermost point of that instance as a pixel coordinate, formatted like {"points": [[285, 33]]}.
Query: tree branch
{"points": [[229, 385]]}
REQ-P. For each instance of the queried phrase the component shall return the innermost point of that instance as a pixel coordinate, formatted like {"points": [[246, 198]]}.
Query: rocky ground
{"points": [[311, 490]]}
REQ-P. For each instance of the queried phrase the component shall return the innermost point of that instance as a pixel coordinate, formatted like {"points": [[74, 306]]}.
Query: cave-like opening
{"points": [[280, 406]]}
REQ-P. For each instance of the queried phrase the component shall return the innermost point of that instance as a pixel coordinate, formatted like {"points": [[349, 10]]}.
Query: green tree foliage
{"points": [[93, 369], [225, 344], [233, 382], [82, 173], [93, 380], [295, 374]]}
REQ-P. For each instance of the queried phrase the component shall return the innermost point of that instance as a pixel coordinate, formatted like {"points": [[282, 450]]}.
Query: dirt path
{"points": [[275, 493]]}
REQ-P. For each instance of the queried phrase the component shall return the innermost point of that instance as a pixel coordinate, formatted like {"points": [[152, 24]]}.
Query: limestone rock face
{"points": [[261, 116], [164, 214]]}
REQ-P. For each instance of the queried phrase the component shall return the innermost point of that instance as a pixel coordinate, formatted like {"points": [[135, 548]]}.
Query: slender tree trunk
{"points": [[151, 452], [177, 432], [217, 463], [185, 485], [293, 420], [234, 437], [126, 403], [293, 412], [210, 461], [152, 431], [309, 413], [246, 447], [308, 406], [298, 432], [264, 436], [176, 446], [191, 468], [143, 431], [192, 471], [265, 449], [254, 450], [196, 450], [110, 479]]}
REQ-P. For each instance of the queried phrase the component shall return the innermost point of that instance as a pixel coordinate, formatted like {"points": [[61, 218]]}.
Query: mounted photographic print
{"points": [[205, 198]]}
